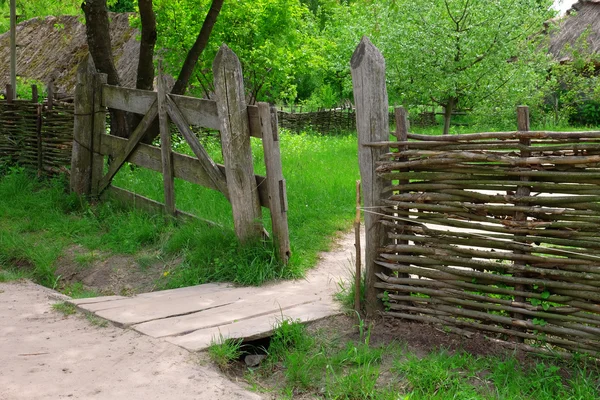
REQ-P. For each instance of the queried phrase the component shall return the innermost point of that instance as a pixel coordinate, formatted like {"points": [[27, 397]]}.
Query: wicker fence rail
{"points": [[36, 135], [495, 232]]}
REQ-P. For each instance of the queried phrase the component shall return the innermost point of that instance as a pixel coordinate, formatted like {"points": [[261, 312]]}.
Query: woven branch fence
{"points": [[341, 119], [493, 232], [36, 135]]}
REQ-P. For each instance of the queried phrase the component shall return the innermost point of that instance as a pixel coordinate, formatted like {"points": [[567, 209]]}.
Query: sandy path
{"points": [[44, 355]]}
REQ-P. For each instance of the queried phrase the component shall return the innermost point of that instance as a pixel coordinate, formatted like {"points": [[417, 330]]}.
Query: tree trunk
{"points": [[145, 70], [201, 41], [448, 109], [99, 45]]}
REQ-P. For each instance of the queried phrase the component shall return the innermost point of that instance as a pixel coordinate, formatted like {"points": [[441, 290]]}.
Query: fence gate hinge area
{"points": [[229, 114]]}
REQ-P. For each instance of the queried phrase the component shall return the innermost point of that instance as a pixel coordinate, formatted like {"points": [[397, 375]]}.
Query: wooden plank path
{"points": [[193, 317]]}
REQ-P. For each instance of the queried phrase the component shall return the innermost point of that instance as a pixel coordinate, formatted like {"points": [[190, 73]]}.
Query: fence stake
{"points": [[402, 128], [34, 94], [50, 90], [275, 182], [38, 131], [165, 145], [98, 129], [372, 125], [9, 93], [235, 138], [357, 261], [81, 162], [522, 191]]}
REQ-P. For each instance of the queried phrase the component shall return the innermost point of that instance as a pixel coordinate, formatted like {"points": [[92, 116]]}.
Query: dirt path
{"points": [[45, 355]]}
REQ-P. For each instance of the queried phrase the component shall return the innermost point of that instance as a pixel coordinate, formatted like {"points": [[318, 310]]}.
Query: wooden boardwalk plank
{"points": [[147, 310], [238, 311], [95, 300], [149, 298], [254, 328]]}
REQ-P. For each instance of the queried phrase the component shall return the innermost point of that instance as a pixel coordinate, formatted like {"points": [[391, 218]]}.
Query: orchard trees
{"points": [[463, 52]]}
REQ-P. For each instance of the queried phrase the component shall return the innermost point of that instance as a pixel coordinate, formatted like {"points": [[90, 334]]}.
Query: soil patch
{"points": [[110, 274]]}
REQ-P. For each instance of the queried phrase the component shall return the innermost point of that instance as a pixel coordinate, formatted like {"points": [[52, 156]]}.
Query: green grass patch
{"points": [[224, 352], [64, 308], [320, 172], [330, 364], [39, 220]]}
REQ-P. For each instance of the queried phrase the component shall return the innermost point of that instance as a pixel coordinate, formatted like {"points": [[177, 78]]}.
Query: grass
{"points": [[96, 321], [323, 364], [39, 220], [64, 308], [224, 352]]}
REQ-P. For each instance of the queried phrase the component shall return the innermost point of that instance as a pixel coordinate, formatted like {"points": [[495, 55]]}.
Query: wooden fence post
{"points": [[372, 125], [165, 146], [98, 129], [50, 89], [81, 159], [9, 93], [38, 130], [235, 138], [522, 191], [402, 128], [275, 182], [34, 94]]}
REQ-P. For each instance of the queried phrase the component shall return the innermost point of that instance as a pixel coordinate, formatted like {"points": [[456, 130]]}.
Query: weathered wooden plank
{"points": [[165, 146], [198, 112], [132, 142], [253, 328], [98, 129], [372, 125], [251, 305], [81, 158], [235, 139], [210, 167], [275, 181], [184, 167], [126, 99], [254, 122]]}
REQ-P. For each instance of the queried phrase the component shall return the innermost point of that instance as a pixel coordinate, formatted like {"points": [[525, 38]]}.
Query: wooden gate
{"points": [[235, 120]]}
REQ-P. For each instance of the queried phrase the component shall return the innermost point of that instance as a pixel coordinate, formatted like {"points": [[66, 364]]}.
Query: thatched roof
{"points": [[583, 15], [51, 48]]}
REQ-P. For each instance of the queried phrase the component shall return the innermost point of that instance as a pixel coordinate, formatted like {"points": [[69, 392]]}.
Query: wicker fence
{"points": [[36, 135], [336, 120], [492, 232]]}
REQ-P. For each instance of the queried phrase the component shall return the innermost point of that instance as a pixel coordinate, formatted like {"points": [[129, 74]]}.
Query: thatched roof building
{"points": [[584, 15], [49, 49]]}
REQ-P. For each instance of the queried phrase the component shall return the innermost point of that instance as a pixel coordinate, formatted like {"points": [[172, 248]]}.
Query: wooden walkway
{"points": [[192, 317]]}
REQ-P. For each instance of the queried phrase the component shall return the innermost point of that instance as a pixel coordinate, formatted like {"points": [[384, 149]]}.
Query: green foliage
{"points": [[224, 352], [572, 93], [274, 39], [122, 6], [27, 9]]}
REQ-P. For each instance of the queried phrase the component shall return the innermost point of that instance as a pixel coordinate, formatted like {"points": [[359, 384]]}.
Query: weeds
{"points": [[64, 308], [332, 365], [96, 321], [224, 352]]}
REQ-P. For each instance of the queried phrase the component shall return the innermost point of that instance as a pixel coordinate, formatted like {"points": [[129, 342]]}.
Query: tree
{"points": [[458, 53], [99, 43], [276, 41]]}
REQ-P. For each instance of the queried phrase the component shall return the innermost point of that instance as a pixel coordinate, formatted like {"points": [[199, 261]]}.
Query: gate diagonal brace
{"points": [[211, 168]]}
